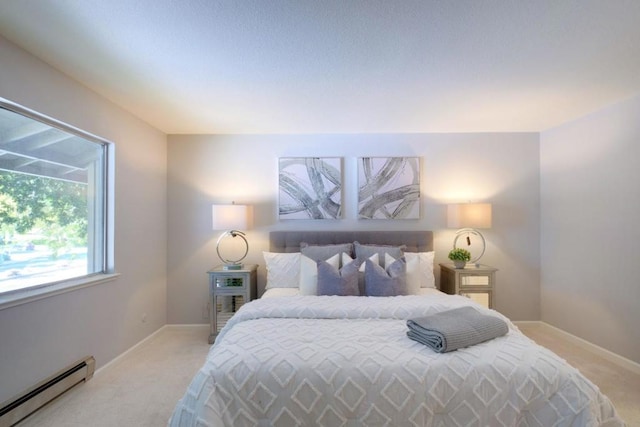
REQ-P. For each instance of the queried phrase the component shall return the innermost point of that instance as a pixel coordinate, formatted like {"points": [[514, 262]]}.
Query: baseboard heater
{"points": [[21, 406]]}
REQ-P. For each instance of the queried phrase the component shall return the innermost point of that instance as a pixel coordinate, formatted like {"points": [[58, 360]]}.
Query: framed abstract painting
{"points": [[310, 188], [389, 188]]}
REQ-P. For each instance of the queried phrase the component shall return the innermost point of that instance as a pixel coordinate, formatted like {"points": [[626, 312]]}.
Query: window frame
{"points": [[108, 272]]}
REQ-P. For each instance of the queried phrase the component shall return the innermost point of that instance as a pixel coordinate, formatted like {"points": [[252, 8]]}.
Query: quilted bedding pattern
{"points": [[346, 361]]}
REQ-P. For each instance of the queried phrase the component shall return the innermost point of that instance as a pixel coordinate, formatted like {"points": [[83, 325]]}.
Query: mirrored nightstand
{"points": [[228, 290], [475, 282]]}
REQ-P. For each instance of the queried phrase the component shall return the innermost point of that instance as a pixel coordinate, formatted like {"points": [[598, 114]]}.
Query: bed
{"points": [[293, 359]]}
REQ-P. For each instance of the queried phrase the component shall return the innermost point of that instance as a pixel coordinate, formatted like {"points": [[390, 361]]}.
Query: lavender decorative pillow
{"points": [[309, 273], [389, 282], [413, 271], [332, 281]]}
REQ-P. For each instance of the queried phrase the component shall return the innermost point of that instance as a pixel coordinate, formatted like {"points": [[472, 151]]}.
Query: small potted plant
{"points": [[459, 257]]}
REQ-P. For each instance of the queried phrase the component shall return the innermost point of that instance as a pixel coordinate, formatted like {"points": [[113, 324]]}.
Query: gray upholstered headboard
{"points": [[289, 241]]}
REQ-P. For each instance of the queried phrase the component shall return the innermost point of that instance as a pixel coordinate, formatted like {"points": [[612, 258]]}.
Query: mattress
{"points": [[346, 361]]}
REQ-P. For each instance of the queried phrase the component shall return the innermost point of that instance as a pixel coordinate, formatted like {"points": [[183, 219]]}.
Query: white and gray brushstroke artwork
{"points": [[388, 188], [310, 188]]}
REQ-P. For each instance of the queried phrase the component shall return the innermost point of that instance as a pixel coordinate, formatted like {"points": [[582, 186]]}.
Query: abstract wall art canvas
{"points": [[310, 188], [389, 188]]}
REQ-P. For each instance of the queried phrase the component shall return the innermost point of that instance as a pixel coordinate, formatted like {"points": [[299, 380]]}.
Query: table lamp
{"points": [[231, 218], [468, 217]]}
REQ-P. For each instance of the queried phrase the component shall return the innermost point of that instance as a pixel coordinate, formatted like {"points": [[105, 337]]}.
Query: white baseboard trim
{"points": [[131, 349], [203, 326], [612, 357], [527, 322]]}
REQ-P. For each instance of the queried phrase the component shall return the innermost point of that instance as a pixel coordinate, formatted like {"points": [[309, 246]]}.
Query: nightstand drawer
{"points": [[234, 282], [483, 298], [474, 280]]}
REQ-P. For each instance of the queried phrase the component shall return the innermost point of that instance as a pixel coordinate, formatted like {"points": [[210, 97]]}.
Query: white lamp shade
{"points": [[230, 217], [469, 215]]}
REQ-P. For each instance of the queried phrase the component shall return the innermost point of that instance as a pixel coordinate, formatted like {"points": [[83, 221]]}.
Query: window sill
{"points": [[12, 299]]}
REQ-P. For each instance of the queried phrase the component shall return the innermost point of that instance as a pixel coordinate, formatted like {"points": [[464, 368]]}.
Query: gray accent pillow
{"points": [[389, 282], [365, 251], [322, 252], [332, 281]]}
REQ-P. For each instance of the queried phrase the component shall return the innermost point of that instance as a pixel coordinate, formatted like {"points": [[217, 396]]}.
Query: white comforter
{"points": [[346, 361]]}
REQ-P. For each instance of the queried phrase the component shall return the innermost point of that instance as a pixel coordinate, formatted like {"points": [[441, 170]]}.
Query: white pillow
{"points": [[309, 273], [283, 269], [413, 272], [426, 278], [346, 259]]}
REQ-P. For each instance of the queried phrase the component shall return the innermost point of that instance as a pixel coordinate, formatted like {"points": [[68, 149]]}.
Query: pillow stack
{"points": [[376, 270]]}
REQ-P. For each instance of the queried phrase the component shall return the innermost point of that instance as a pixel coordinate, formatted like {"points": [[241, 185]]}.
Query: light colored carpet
{"points": [[142, 388], [620, 385], [138, 390]]}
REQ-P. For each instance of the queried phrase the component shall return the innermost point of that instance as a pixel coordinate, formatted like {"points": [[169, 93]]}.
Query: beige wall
{"points": [[500, 168], [41, 337], [590, 204]]}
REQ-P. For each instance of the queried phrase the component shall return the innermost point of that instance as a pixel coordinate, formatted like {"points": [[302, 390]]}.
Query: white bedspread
{"points": [[346, 361]]}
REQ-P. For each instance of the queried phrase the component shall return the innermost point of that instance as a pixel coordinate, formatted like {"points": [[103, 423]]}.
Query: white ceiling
{"points": [[340, 66]]}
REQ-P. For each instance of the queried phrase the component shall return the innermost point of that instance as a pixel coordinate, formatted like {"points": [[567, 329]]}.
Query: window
{"points": [[55, 210]]}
